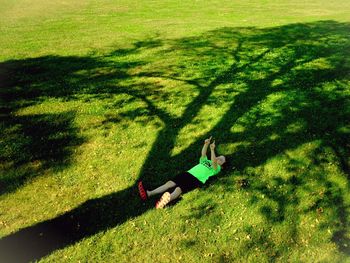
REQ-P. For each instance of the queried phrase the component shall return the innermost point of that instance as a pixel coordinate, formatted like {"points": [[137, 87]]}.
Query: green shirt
{"points": [[204, 170]]}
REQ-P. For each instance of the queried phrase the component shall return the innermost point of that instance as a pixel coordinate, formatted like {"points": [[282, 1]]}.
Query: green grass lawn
{"points": [[97, 95]]}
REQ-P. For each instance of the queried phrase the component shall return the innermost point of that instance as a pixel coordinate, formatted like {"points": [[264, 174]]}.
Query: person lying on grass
{"points": [[187, 181]]}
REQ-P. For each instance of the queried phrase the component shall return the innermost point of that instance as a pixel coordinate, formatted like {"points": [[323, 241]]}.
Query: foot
{"points": [[163, 201], [142, 191]]}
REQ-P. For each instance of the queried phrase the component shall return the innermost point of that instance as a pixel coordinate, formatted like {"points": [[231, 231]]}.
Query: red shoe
{"points": [[142, 191]]}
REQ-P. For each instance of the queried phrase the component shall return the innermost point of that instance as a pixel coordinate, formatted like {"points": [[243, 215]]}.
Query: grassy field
{"points": [[97, 95]]}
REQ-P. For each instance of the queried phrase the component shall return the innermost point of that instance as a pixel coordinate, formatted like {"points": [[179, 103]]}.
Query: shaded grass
{"points": [[34, 143], [276, 98]]}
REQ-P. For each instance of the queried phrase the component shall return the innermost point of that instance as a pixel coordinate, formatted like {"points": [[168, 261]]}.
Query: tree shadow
{"points": [[32, 144], [300, 69]]}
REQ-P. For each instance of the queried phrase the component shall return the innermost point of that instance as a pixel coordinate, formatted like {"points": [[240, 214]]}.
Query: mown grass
{"points": [[96, 96]]}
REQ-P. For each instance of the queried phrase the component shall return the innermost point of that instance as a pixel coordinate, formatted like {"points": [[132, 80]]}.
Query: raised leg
{"points": [[175, 194], [167, 198]]}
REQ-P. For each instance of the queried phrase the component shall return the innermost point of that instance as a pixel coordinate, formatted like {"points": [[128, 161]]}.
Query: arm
{"points": [[213, 155], [205, 147]]}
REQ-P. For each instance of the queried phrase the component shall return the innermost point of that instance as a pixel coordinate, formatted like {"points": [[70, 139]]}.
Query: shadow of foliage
{"points": [[32, 144]]}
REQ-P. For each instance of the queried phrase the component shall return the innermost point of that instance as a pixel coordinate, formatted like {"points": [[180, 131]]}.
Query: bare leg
{"points": [[161, 189]]}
